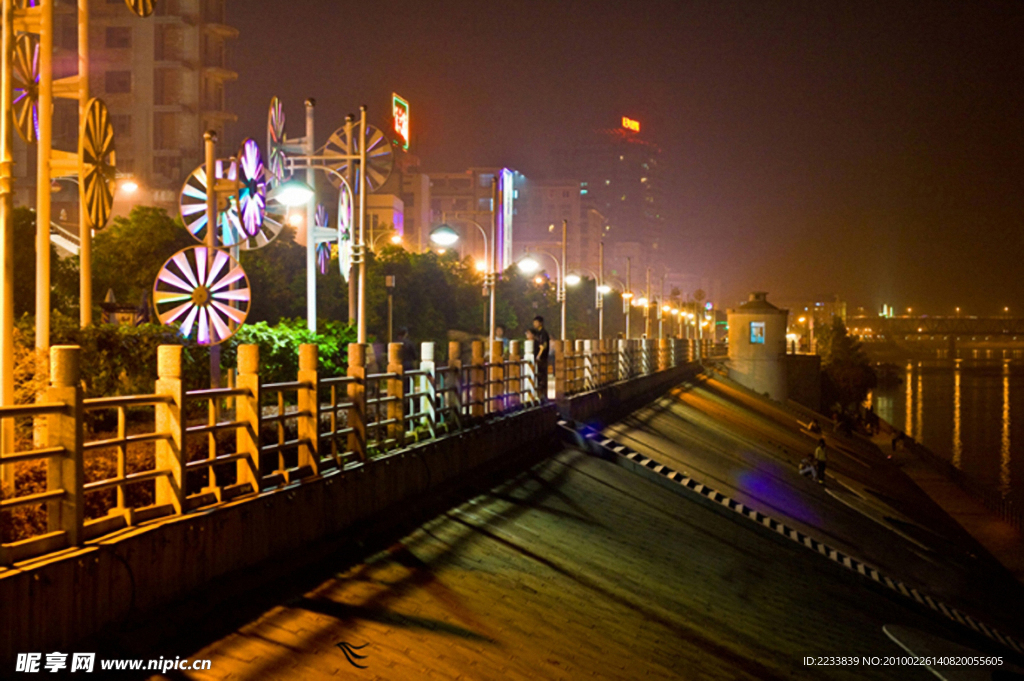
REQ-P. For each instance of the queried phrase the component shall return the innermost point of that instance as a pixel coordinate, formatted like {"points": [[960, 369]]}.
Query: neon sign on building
{"points": [[400, 112], [630, 124]]}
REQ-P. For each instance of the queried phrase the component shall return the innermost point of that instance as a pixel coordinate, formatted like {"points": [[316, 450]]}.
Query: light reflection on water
{"points": [[962, 412]]}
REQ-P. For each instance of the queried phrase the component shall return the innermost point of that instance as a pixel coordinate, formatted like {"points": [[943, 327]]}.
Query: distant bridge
{"points": [[957, 326]]}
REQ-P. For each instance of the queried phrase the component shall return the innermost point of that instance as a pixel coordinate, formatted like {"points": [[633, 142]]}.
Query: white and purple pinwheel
{"points": [[252, 194], [205, 291]]}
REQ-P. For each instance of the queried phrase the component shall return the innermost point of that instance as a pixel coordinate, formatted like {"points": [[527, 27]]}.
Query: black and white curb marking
{"points": [[799, 537]]}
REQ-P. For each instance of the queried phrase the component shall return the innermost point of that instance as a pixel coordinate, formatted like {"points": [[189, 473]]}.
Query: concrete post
{"points": [[530, 371], [426, 383], [309, 407], [497, 377], [64, 429], [357, 396], [248, 413], [170, 453], [477, 393], [515, 371], [585, 350], [622, 359], [558, 352], [396, 388], [453, 378], [664, 354]]}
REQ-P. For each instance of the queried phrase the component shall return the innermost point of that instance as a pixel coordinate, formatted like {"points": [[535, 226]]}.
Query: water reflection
{"points": [[958, 445], [909, 382], [919, 418], [1004, 449]]}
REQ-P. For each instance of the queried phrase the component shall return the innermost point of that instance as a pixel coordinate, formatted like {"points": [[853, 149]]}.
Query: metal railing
{"points": [[212, 445]]}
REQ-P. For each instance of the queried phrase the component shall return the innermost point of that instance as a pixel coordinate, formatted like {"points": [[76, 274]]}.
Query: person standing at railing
{"points": [[541, 345]]}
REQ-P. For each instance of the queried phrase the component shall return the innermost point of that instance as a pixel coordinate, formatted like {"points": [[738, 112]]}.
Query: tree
{"points": [[127, 255], [847, 369], [63, 271]]}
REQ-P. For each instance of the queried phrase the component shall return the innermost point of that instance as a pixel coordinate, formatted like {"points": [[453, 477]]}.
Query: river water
{"points": [[971, 413]]}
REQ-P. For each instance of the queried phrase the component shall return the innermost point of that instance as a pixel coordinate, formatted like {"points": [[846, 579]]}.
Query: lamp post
{"points": [[627, 295], [529, 265], [444, 236]]}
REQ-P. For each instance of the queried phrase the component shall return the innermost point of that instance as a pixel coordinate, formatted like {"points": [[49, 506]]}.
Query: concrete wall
{"points": [[618, 399], [49, 603], [803, 380], [759, 366]]}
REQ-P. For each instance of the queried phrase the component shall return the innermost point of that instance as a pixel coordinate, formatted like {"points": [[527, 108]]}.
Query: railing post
{"points": [[309, 404], [453, 395], [530, 370], [170, 419], [558, 353], [64, 429], [396, 389], [427, 385], [497, 378], [622, 359], [515, 370], [664, 360], [357, 396], [249, 414], [477, 393]]}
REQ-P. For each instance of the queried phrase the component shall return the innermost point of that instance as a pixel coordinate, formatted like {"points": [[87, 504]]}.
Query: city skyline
{"points": [[820, 149]]}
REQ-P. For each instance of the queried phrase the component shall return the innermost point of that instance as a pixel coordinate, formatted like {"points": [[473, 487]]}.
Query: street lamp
{"points": [[292, 193], [530, 264], [444, 235]]}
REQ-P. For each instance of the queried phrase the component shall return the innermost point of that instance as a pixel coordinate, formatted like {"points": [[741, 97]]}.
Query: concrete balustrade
{"points": [[443, 400]]}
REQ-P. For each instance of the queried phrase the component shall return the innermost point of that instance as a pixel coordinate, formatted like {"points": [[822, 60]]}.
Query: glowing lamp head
{"points": [[294, 192], [481, 266], [627, 295], [604, 289], [642, 302], [528, 265], [665, 308], [295, 219], [675, 311], [444, 236], [397, 239], [572, 279], [538, 280], [129, 186], [802, 320]]}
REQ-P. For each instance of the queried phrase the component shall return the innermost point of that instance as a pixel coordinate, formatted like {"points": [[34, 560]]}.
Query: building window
{"points": [[118, 37], [122, 124], [165, 135], [125, 165], [167, 166], [117, 82], [461, 204], [484, 205], [486, 179], [757, 333]]}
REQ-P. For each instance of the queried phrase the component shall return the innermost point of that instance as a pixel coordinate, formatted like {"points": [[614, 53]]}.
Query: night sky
{"points": [[875, 150]]}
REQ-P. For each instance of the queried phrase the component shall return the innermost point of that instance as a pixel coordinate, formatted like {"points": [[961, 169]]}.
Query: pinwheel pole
{"points": [[6, 246]]}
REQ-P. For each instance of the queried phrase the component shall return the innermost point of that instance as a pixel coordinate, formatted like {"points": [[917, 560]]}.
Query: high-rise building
{"points": [[619, 176], [162, 79]]}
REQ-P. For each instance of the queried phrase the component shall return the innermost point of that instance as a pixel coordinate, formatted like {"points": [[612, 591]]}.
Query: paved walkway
{"points": [[748, 448], [575, 569], [999, 538]]}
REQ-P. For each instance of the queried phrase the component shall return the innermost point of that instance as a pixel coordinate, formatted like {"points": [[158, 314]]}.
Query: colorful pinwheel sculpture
{"points": [[192, 204], [323, 246], [252, 194], [25, 87], [379, 157], [206, 292], [275, 141], [344, 229]]}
